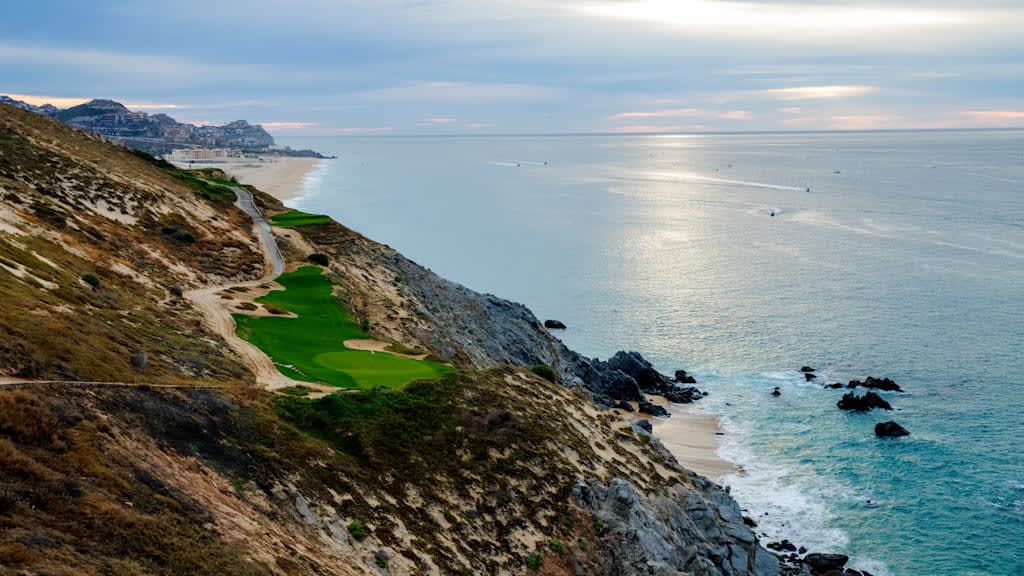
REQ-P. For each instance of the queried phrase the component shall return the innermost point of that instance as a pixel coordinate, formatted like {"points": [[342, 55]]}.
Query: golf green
{"points": [[310, 347], [296, 218]]}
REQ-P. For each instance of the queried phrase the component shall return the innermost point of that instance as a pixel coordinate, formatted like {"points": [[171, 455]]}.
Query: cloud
{"points": [[652, 129], [665, 113], [735, 115], [150, 67], [58, 101], [997, 117], [438, 121], [353, 131], [817, 92], [790, 110], [288, 125], [445, 91], [478, 125], [778, 19]]}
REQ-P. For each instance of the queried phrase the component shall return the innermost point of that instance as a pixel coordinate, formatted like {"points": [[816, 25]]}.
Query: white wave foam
{"points": [[312, 185], [790, 501]]}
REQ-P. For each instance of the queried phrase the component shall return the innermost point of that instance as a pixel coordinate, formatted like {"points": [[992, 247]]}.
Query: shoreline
{"points": [[281, 177], [691, 434]]}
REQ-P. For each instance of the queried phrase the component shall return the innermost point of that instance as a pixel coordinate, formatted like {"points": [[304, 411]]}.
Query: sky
{"points": [[337, 67]]}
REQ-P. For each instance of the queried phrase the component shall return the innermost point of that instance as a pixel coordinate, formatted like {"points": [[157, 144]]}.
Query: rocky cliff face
{"points": [[492, 470]]}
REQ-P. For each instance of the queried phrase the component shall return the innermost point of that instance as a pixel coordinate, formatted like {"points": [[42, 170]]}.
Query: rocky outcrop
{"points": [[890, 429], [869, 401], [554, 325], [683, 378], [823, 563], [650, 380], [646, 407], [698, 531], [883, 384]]}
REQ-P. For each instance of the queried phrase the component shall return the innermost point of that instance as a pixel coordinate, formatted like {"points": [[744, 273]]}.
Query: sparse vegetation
{"points": [[91, 279], [357, 530], [534, 561], [545, 372], [206, 189], [318, 259], [556, 546]]}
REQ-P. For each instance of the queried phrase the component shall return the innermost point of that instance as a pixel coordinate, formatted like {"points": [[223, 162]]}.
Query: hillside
{"points": [[197, 468]]}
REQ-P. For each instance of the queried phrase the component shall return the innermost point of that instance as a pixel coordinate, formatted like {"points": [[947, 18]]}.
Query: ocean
{"points": [[742, 258]]}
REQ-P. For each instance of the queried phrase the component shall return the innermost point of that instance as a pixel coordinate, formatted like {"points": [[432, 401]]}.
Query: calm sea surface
{"points": [[889, 254]]}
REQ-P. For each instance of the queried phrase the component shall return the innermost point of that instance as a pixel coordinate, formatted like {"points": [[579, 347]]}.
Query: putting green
{"points": [[296, 218], [310, 347]]}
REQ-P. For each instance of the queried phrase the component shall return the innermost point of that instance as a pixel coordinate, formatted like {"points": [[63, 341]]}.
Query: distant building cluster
{"points": [[160, 134], [204, 155]]}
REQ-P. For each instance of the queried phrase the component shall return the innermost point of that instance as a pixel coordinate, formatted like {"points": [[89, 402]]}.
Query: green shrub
{"points": [[275, 310], [318, 258], [92, 280], [534, 561], [545, 372], [357, 530], [556, 546]]}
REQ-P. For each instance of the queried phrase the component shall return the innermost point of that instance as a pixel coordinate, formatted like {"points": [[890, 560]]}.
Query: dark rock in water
{"points": [[683, 378], [807, 369], [850, 401], [650, 380], [876, 383], [554, 325], [633, 364], [644, 424], [808, 376], [822, 563], [776, 392], [834, 386], [784, 546], [624, 406], [801, 550], [682, 395], [881, 384], [749, 521], [652, 409], [617, 385], [890, 430]]}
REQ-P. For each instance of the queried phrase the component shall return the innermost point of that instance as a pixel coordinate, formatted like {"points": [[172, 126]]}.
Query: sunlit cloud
{"points": [[153, 106], [862, 122], [818, 92], [439, 91], [439, 121], [353, 131], [479, 125], [735, 115], [653, 129], [58, 101], [778, 18], [997, 117], [790, 110], [288, 125], [665, 113]]}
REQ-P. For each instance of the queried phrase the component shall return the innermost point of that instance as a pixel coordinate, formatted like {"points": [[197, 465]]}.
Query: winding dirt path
{"points": [[217, 310]]}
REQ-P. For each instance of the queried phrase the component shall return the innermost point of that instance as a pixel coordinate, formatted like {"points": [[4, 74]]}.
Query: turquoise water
{"points": [[890, 254]]}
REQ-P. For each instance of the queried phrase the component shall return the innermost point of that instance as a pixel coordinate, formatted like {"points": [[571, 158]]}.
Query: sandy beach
{"points": [[690, 434], [280, 177]]}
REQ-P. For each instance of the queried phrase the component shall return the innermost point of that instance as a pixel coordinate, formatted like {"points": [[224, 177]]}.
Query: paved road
{"points": [[248, 205]]}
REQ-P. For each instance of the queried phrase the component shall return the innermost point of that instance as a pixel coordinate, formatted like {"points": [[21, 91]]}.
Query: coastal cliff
{"points": [[133, 439]]}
